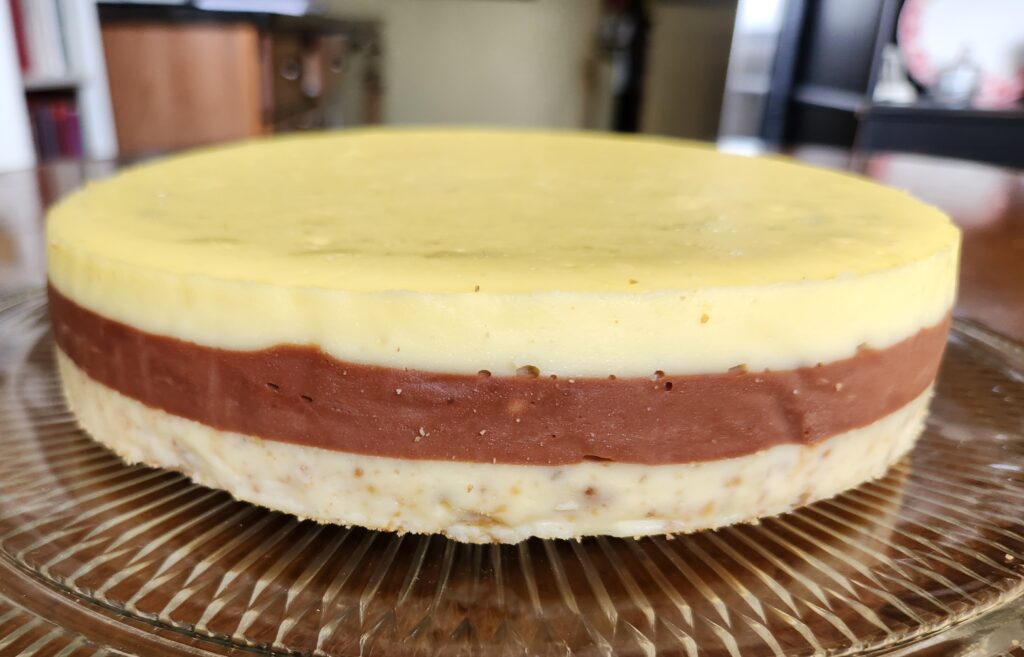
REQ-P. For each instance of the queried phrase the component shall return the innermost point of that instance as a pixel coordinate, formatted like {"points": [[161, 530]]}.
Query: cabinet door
{"points": [[176, 85], [291, 105], [306, 77]]}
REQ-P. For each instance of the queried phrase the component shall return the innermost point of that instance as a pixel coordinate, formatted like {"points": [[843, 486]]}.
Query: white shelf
{"points": [[51, 83], [83, 53], [15, 130]]}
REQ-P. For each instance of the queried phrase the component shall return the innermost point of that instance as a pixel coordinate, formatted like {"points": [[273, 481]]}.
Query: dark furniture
{"points": [[825, 69], [182, 77]]}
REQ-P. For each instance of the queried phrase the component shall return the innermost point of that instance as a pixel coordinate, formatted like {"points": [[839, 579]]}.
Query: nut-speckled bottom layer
{"points": [[482, 502]]}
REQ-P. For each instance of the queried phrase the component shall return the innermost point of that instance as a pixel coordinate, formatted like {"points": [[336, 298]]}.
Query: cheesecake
{"points": [[497, 335]]}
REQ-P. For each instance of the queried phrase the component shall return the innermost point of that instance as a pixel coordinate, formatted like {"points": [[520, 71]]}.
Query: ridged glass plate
{"points": [[144, 561]]}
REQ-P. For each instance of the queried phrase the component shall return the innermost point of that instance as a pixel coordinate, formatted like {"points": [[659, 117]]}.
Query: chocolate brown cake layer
{"points": [[300, 395]]}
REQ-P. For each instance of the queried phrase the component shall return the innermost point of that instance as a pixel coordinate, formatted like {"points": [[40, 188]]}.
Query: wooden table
{"points": [[986, 202]]}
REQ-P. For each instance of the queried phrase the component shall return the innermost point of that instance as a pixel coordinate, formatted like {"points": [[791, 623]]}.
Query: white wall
{"points": [[496, 62], [686, 65]]}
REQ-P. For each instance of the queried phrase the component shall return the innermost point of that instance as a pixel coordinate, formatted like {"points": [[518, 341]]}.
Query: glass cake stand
{"points": [[97, 557]]}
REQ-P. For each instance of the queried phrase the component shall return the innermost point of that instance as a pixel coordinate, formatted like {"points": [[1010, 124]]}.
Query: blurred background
{"points": [[925, 95], [135, 79]]}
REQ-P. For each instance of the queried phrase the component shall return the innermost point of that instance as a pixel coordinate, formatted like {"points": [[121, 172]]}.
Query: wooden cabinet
{"points": [[178, 85], [179, 80]]}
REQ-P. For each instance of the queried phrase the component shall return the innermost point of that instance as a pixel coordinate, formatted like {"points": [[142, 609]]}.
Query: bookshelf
{"points": [[54, 97], [44, 83]]}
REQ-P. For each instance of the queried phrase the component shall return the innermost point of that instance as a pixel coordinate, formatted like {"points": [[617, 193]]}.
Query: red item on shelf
{"points": [[59, 115], [18, 18], [74, 133]]}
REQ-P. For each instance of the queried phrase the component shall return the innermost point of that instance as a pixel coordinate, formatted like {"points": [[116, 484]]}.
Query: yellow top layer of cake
{"points": [[464, 250], [446, 211]]}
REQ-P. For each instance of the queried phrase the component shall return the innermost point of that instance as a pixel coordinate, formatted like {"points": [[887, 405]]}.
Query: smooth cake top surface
{"points": [[450, 210]]}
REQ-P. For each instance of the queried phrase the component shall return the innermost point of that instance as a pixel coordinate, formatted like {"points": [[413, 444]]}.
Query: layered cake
{"points": [[498, 335]]}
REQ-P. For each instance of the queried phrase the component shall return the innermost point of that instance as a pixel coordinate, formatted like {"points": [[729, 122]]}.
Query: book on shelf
{"points": [[20, 39], [56, 129], [39, 34]]}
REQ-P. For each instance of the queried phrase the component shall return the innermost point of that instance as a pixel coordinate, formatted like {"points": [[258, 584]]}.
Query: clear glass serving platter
{"points": [[97, 557]]}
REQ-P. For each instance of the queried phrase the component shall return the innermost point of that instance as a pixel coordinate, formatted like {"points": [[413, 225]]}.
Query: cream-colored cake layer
{"points": [[467, 250], [480, 502]]}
